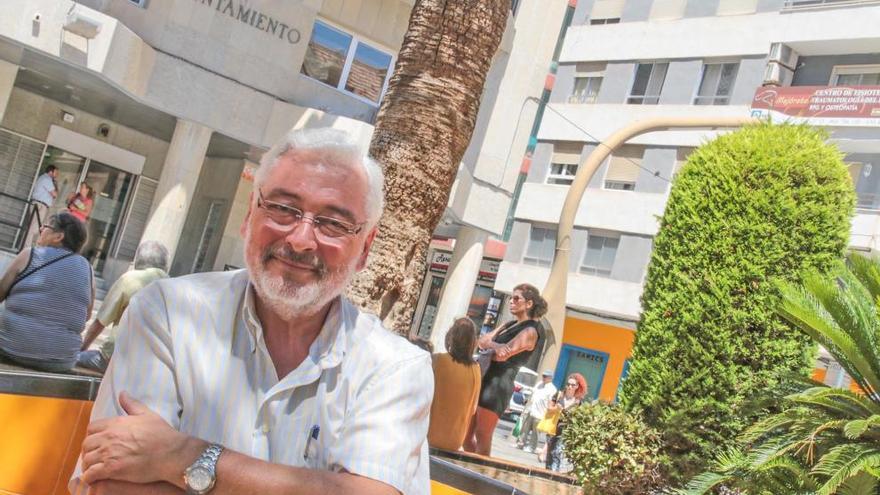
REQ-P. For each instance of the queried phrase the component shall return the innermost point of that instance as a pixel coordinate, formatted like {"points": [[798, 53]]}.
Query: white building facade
{"points": [[625, 60], [165, 107]]}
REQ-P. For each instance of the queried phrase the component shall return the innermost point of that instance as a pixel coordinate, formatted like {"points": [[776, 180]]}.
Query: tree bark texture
{"points": [[423, 128]]}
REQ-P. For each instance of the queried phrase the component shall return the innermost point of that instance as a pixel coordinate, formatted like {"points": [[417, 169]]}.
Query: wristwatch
{"points": [[199, 478]]}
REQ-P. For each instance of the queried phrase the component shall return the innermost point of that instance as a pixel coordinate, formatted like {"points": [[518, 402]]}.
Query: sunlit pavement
{"points": [[504, 446]]}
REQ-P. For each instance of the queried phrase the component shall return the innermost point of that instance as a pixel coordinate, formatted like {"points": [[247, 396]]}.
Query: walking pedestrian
{"points": [[43, 196], [564, 402], [534, 412]]}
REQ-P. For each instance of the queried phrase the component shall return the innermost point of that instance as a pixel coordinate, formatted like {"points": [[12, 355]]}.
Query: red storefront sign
{"points": [[820, 105]]}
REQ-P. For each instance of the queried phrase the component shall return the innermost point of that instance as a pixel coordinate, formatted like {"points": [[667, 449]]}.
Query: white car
{"points": [[523, 385]]}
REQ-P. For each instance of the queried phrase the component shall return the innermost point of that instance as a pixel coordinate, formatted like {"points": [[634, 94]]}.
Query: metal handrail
{"points": [[30, 211]]}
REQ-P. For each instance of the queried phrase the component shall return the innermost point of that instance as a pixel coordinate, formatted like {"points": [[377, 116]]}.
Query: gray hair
{"points": [[151, 254], [337, 147]]}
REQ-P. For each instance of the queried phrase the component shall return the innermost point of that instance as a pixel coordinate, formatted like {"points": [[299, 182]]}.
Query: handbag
{"points": [[548, 424], [518, 428]]}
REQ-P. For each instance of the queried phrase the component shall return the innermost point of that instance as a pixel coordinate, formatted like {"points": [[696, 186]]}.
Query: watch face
{"points": [[199, 479]]}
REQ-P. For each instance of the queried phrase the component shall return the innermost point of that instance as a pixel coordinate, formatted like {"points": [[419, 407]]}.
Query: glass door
{"points": [[70, 169], [112, 187]]}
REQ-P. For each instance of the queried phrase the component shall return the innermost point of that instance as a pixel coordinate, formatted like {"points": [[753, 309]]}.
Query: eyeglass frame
{"points": [[316, 220]]}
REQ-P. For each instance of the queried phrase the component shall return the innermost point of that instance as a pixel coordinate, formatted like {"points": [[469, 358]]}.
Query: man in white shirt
{"points": [[534, 412], [267, 380], [42, 197]]}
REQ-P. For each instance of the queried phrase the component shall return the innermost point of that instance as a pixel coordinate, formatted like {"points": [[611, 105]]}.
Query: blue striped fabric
{"points": [[47, 310], [192, 349]]}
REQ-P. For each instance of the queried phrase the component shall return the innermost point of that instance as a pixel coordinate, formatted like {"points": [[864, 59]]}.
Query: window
{"points": [[619, 185], [340, 60], [562, 173], [856, 75], [648, 83], [599, 256], [716, 84], [604, 11], [542, 245], [139, 3], [737, 7], [667, 9], [587, 82], [564, 163], [607, 20], [586, 89], [623, 168]]}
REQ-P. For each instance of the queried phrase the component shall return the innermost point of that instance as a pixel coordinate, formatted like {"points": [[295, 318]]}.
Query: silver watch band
{"points": [[207, 461]]}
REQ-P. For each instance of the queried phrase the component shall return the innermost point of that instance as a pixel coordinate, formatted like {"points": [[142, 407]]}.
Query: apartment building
{"points": [[624, 60], [165, 107]]}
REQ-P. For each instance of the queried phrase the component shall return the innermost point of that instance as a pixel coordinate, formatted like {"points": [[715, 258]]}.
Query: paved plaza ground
{"points": [[504, 446]]}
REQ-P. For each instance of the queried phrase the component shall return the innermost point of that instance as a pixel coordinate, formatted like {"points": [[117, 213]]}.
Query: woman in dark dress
{"points": [[515, 344]]}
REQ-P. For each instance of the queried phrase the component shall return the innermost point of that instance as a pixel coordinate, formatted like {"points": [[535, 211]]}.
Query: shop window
{"points": [[344, 62], [648, 83], [623, 168], [541, 246], [589, 363], [856, 75], [599, 256], [19, 166], [716, 84]]}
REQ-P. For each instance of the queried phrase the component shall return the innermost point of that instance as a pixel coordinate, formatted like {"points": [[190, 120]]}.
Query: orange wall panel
{"points": [[41, 442], [615, 341]]}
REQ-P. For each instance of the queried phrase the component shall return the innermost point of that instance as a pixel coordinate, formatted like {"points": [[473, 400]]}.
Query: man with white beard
{"points": [[267, 380]]}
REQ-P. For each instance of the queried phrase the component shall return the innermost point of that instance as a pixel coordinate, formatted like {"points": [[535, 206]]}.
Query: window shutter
{"points": [[607, 9], [136, 222], [621, 167], [568, 153], [667, 9], [732, 7]]}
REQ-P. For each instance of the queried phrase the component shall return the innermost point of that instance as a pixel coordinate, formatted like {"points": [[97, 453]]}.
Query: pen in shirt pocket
{"points": [[310, 442]]}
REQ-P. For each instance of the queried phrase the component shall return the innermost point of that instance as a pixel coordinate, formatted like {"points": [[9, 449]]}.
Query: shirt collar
{"points": [[327, 349]]}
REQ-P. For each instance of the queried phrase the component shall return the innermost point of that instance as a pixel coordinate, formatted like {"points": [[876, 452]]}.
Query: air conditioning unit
{"points": [[783, 55], [776, 74]]}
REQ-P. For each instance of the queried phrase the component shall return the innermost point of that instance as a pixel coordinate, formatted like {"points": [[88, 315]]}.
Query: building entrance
{"points": [[111, 191]]}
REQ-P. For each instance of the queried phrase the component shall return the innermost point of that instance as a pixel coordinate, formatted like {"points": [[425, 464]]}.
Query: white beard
{"points": [[289, 299]]}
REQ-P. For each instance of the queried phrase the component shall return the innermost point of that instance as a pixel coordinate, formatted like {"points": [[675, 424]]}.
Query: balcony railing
{"points": [[821, 4]]}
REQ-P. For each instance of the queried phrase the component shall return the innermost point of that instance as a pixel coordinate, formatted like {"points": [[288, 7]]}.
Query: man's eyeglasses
{"points": [[517, 298], [569, 384], [288, 216]]}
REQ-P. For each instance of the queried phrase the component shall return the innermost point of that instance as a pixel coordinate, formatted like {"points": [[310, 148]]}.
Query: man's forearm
{"points": [[238, 473], [126, 488]]}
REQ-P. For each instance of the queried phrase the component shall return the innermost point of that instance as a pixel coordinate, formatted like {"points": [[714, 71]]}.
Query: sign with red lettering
{"points": [[820, 105]]}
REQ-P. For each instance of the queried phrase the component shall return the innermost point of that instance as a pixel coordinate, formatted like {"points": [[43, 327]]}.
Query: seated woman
{"points": [[49, 292], [456, 387]]}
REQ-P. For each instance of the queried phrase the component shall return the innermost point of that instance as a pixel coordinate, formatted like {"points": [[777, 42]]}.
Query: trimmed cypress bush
{"points": [[762, 204]]}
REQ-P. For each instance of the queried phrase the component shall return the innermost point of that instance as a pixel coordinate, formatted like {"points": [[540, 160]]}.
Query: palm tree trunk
{"points": [[422, 131]]}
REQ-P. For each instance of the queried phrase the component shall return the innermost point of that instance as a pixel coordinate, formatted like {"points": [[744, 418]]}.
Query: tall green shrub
{"points": [[748, 209]]}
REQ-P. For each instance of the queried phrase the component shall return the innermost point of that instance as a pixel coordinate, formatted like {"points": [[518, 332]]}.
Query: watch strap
{"points": [[207, 460]]}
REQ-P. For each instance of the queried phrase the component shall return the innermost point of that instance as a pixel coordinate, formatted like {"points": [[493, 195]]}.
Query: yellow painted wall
{"points": [[41, 438], [617, 342]]}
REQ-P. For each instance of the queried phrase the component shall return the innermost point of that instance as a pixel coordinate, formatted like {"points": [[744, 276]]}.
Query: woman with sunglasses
{"points": [[565, 401], [515, 344], [49, 292]]}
